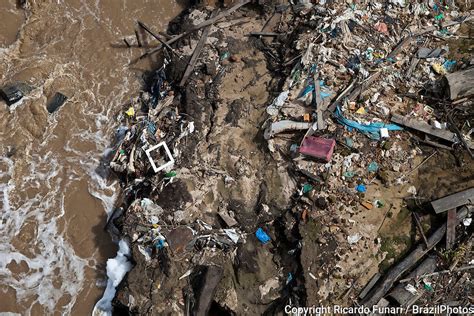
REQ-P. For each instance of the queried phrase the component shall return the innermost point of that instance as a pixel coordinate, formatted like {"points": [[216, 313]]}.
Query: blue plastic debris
{"points": [[335, 32], [361, 188], [309, 88], [290, 277], [373, 167], [372, 130], [294, 148], [121, 132], [348, 174], [160, 244], [151, 127], [449, 65], [349, 142], [353, 62], [262, 236]]}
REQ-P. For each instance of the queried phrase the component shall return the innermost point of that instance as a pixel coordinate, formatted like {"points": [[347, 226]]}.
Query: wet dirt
{"points": [[54, 203]]}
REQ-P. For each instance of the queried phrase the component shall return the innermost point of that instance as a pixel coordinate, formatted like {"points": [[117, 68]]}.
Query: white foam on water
{"points": [[116, 269], [53, 268]]}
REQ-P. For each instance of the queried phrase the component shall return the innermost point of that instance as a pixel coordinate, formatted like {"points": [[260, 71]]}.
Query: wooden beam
{"points": [[402, 296], [453, 201], [425, 128], [369, 285], [451, 228], [196, 54], [143, 26]]}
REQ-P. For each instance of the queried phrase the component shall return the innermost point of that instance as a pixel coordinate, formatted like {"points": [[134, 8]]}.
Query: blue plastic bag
{"points": [[361, 188], [309, 88], [262, 236], [372, 130]]}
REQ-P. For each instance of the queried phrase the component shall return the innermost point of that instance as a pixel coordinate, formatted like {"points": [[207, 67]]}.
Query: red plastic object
{"points": [[318, 147]]}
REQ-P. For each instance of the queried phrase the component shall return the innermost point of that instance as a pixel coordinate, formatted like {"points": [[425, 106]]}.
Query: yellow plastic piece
{"points": [[361, 111], [130, 112]]}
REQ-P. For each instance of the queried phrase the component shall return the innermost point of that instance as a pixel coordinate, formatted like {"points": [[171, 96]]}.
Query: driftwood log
{"points": [[406, 264]]}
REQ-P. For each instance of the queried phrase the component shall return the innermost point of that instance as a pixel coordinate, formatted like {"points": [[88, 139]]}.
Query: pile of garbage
{"points": [[362, 75], [371, 96]]}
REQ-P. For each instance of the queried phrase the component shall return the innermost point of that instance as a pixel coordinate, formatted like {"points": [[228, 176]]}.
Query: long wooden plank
{"points": [[453, 201], [195, 56], [404, 297], [369, 285], [423, 127]]}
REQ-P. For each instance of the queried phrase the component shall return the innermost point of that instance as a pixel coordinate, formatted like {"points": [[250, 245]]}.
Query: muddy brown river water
{"points": [[54, 204]]}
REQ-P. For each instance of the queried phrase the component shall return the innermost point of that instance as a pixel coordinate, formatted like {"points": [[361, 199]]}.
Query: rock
{"points": [[267, 290], [322, 240], [211, 69], [179, 216], [11, 94], [384, 177], [321, 203], [179, 238], [56, 102]]}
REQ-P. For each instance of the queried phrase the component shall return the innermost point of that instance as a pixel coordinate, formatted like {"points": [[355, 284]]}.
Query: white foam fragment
{"points": [[116, 269], [352, 239], [384, 132]]}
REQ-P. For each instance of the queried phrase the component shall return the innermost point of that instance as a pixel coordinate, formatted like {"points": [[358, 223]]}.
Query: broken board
{"points": [[453, 201], [426, 128]]}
